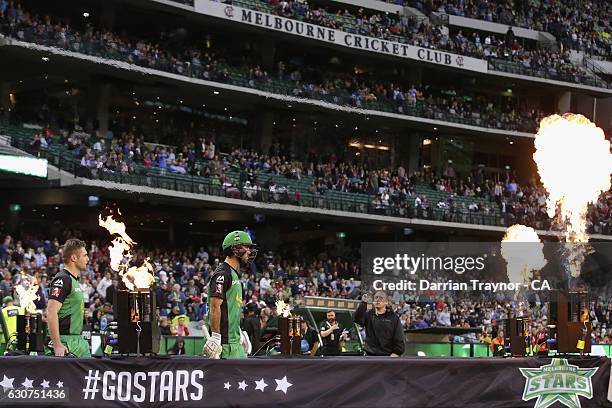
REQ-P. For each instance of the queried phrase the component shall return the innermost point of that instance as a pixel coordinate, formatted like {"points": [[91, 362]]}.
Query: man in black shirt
{"points": [[310, 338], [332, 334], [384, 331], [251, 325]]}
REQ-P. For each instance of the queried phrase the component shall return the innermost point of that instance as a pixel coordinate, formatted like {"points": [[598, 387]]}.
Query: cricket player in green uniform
{"points": [[65, 307], [224, 305]]}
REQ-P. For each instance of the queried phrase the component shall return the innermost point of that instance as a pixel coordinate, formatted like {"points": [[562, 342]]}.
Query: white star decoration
{"points": [[7, 383], [261, 384], [60, 384], [44, 384], [27, 383], [282, 384]]}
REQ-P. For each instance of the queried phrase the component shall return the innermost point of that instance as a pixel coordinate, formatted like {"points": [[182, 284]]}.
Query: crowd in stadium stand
{"points": [[390, 189], [206, 65], [349, 89], [584, 26], [181, 288], [412, 31]]}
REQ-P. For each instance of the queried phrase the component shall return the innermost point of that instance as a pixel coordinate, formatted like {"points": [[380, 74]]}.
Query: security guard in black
{"points": [[384, 331]]}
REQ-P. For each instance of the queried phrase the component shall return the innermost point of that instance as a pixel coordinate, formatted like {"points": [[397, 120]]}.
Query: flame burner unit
{"points": [[289, 328], [569, 321], [31, 333], [136, 317], [514, 335]]}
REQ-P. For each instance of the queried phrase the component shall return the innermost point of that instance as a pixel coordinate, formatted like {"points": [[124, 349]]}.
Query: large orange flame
{"points": [[523, 251], [115, 228], [574, 163], [27, 290], [283, 309], [121, 254]]}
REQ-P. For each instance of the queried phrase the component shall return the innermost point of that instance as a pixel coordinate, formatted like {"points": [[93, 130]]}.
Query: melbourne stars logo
{"points": [[558, 381]]}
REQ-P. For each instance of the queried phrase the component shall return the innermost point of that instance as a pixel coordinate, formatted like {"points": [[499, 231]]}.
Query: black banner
{"points": [[316, 382]]}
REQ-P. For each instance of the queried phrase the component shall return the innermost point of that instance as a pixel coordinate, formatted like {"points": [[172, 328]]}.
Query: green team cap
{"points": [[236, 238], [7, 299]]}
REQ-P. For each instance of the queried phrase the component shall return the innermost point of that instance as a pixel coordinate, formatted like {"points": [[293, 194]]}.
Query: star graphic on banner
{"points": [[242, 385], [27, 383], [560, 388], [44, 384], [227, 385], [261, 384], [282, 384], [7, 383], [60, 384]]}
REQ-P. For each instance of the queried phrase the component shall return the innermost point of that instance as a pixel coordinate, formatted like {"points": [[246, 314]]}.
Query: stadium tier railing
{"points": [[239, 77], [348, 24], [328, 200], [546, 73]]}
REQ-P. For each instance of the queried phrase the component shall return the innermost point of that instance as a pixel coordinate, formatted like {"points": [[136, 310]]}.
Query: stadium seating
{"points": [[61, 157]]}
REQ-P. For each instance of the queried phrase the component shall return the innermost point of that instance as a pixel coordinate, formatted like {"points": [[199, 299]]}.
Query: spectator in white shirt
{"points": [[40, 258], [87, 290], [444, 317], [265, 283], [104, 284]]}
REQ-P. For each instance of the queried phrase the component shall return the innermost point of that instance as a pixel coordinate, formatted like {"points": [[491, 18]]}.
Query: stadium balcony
{"points": [[580, 77], [237, 79], [294, 195]]}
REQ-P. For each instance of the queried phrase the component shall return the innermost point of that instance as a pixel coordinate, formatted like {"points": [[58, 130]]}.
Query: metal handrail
{"points": [[347, 202]]}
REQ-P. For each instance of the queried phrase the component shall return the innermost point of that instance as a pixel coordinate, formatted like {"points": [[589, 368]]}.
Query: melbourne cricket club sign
{"points": [[558, 381], [338, 37]]}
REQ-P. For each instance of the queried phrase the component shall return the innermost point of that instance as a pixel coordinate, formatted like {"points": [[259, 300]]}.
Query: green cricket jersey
{"points": [[67, 290], [225, 284]]}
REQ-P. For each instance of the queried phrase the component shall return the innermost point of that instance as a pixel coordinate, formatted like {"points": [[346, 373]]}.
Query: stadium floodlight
{"points": [[30, 166]]}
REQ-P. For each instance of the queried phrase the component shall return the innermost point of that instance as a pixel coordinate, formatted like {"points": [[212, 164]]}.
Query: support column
{"points": [[583, 104], [103, 100], [603, 117], [171, 231], [415, 76], [268, 52], [107, 15], [414, 153], [266, 128], [564, 103], [5, 90]]}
